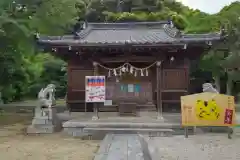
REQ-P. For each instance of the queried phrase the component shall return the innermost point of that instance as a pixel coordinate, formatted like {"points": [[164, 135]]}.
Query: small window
{"points": [[137, 88], [130, 88]]}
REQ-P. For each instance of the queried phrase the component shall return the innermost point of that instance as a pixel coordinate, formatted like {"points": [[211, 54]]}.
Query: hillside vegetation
{"points": [[24, 69]]}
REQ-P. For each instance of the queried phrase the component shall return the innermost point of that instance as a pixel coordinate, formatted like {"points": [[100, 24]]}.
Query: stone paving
{"points": [[142, 147], [197, 147], [122, 147]]}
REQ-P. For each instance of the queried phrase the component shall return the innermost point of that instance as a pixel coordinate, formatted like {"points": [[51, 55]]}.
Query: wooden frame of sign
{"points": [[208, 109]]}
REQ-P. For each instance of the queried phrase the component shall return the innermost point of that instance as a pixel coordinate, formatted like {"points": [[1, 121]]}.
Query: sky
{"points": [[208, 6]]}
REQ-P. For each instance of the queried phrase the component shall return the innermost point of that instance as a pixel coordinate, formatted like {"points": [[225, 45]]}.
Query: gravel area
{"points": [[197, 147], [16, 146]]}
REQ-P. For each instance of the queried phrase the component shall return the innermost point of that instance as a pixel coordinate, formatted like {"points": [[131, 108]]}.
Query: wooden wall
{"points": [[77, 70], [174, 82]]}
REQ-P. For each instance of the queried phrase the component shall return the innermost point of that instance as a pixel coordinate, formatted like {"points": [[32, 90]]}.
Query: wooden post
{"points": [[186, 66], [85, 106], [159, 93], [95, 105], [194, 129], [230, 132], [186, 132]]}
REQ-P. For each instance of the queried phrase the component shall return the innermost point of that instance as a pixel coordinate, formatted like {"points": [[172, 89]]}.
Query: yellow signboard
{"points": [[208, 109]]}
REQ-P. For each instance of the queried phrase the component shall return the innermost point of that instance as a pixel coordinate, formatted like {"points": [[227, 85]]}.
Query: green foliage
{"points": [[20, 67], [224, 59], [54, 16], [178, 20], [23, 71]]}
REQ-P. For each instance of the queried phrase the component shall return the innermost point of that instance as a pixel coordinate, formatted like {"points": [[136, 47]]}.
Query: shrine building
{"points": [[146, 64]]}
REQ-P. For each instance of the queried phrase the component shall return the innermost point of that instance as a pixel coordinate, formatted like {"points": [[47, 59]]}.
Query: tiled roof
{"points": [[128, 33]]}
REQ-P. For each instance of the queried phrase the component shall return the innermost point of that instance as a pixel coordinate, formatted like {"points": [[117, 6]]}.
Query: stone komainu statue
{"points": [[207, 87], [46, 96]]}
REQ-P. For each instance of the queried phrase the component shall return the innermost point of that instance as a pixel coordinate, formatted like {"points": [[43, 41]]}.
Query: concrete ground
{"points": [[197, 147], [51, 147], [16, 145]]}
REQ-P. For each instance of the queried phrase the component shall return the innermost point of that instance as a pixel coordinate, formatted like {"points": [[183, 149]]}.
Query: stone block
{"points": [[40, 129], [75, 132], [42, 121], [45, 124], [123, 147], [153, 132], [153, 151], [67, 131]]}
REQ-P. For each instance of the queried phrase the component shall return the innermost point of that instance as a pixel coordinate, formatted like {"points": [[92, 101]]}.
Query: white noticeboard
{"points": [[95, 89], [130, 88], [108, 103]]}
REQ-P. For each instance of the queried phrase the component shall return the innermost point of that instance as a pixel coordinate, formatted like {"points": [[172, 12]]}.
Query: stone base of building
{"points": [[97, 129]]}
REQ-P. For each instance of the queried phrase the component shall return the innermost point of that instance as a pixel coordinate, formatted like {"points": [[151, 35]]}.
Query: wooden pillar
{"points": [[95, 105], [159, 92], [187, 68]]}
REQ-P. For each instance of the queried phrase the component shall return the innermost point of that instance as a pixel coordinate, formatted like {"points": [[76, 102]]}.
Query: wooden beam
{"points": [[160, 55], [128, 59]]}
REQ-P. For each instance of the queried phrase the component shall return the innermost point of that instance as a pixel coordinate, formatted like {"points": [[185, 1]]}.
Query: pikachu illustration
{"points": [[207, 110]]}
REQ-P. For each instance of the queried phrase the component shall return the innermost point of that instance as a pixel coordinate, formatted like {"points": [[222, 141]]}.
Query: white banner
{"points": [[95, 89]]}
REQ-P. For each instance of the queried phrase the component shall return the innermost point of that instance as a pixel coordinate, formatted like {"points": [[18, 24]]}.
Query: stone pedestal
{"points": [[45, 121]]}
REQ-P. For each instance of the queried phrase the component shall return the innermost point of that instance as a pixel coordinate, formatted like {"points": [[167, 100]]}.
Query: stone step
{"points": [[99, 134], [149, 131], [129, 129], [100, 124], [136, 126], [123, 147]]}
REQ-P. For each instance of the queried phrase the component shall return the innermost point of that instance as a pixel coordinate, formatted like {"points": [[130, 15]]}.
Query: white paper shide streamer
{"points": [[128, 68]]}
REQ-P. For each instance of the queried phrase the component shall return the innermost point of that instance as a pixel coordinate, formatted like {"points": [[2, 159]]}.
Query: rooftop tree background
{"points": [[24, 69]]}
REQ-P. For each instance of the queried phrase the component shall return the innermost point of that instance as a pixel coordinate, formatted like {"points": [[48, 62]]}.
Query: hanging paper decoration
{"points": [[135, 74], [127, 67], [142, 72], [109, 73], [146, 72], [115, 72], [120, 72], [131, 69], [123, 69]]}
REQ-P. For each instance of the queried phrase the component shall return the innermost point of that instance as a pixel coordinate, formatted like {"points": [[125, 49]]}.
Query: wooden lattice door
{"points": [[132, 91]]}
